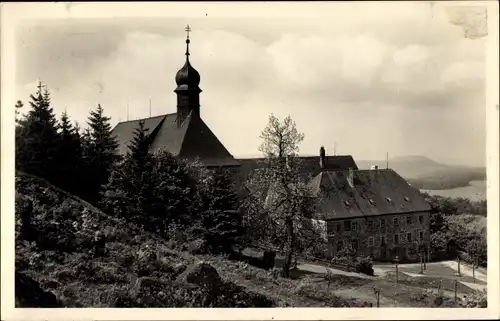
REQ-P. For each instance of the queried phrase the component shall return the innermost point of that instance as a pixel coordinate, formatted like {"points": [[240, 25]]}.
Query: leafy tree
{"points": [[101, 150], [288, 201], [37, 137]]}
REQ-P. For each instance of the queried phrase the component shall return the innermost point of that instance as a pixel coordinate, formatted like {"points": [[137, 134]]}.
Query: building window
{"points": [[347, 225], [420, 235], [338, 228], [388, 199], [354, 226], [370, 241], [407, 199], [421, 219], [408, 237], [355, 245], [371, 201], [408, 220], [339, 246], [382, 222], [382, 240], [396, 239], [396, 221], [370, 224]]}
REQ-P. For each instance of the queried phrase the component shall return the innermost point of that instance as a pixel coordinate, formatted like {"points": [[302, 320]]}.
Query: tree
{"points": [[129, 191], [101, 150], [288, 202], [175, 194], [222, 223], [69, 156], [139, 147], [19, 105], [37, 137]]}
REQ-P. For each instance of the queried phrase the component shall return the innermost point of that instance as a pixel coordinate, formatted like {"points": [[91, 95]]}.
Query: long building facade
{"points": [[373, 212]]}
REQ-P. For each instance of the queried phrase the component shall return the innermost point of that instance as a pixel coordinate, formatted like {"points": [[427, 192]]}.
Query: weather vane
{"points": [[188, 29]]}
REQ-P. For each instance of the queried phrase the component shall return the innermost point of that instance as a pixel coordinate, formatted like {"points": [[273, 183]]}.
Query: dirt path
{"points": [[466, 270], [322, 270]]}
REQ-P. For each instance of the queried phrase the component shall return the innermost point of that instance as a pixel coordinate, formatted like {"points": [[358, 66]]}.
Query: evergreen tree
{"points": [[19, 105], [175, 198], [129, 191], [139, 146], [222, 223], [37, 137], [101, 152], [69, 156]]}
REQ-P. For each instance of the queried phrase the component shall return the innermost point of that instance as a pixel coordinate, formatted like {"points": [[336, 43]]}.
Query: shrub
{"points": [[477, 299], [364, 265]]}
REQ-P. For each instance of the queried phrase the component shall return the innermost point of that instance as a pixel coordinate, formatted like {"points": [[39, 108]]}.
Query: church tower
{"points": [[188, 90]]}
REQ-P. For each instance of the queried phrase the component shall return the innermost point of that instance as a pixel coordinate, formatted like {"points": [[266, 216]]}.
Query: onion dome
{"points": [[187, 77]]}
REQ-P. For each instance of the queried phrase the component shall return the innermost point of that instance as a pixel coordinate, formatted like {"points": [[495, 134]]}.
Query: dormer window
{"points": [[371, 201], [388, 199], [346, 203], [407, 199]]}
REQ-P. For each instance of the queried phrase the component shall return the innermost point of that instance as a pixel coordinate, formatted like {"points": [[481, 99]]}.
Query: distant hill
{"points": [[424, 173]]}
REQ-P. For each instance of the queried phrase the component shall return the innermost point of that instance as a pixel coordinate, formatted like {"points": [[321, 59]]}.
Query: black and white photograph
{"points": [[251, 155]]}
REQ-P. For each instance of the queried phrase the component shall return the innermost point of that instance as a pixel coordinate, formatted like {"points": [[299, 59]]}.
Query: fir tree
{"points": [[37, 138], [139, 147], [19, 105], [102, 149], [221, 222], [129, 192], [69, 156]]}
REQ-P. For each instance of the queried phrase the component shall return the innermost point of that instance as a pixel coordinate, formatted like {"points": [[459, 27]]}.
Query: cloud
{"points": [[365, 82]]}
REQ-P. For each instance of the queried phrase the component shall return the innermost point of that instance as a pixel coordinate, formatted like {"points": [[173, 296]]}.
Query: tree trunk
{"points": [[290, 247]]}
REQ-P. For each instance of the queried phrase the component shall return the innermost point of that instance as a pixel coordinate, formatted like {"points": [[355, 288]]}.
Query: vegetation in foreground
{"points": [[69, 253]]}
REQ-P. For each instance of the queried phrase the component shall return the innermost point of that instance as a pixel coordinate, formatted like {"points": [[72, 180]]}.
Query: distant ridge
{"points": [[425, 173]]}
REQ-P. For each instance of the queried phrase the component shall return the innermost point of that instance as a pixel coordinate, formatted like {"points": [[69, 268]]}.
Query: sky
{"points": [[408, 80]]}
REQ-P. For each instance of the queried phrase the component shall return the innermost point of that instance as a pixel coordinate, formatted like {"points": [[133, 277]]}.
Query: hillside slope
{"points": [[135, 268], [57, 252]]}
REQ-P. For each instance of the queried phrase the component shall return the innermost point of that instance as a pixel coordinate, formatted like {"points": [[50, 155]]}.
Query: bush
{"points": [[364, 265]]}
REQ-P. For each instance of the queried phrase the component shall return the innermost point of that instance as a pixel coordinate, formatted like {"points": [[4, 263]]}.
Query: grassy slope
{"points": [[117, 278], [79, 280], [424, 173]]}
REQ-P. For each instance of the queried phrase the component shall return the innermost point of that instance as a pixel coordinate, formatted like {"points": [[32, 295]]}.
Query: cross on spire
{"points": [[188, 30]]}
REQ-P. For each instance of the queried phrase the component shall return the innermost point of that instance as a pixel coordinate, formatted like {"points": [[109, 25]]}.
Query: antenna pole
{"points": [[387, 159], [149, 107], [334, 149]]}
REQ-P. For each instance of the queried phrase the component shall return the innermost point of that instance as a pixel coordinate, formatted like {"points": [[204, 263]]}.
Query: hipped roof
{"points": [[373, 192], [192, 139]]}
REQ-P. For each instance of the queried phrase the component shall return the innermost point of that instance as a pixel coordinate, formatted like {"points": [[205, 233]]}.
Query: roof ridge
{"points": [[133, 120]]}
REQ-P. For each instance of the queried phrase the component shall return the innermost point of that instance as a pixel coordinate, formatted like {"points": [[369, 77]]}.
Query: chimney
{"points": [[322, 158], [350, 177]]}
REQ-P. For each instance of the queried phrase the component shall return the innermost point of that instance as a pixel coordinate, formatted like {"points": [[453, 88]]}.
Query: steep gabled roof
{"points": [[374, 192], [124, 131], [192, 139], [309, 165], [200, 141]]}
